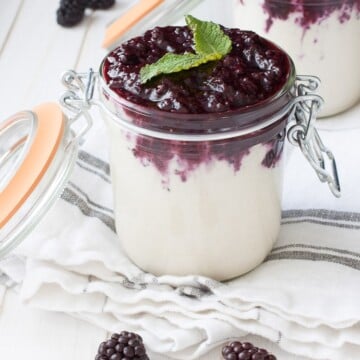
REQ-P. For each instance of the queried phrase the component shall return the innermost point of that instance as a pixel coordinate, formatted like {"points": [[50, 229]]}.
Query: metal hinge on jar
{"points": [[302, 131], [78, 99]]}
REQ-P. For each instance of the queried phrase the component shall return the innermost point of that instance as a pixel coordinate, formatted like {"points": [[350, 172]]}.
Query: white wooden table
{"points": [[34, 51]]}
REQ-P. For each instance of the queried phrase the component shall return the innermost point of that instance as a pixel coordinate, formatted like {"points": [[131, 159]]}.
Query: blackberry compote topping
{"points": [[253, 71], [202, 100], [245, 351], [126, 345]]}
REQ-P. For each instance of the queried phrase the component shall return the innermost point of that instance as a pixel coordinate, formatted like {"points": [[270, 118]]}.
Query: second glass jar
{"points": [[322, 37]]}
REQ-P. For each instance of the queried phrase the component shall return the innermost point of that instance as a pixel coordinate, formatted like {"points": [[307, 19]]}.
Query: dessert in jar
{"points": [[322, 38], [197, 170]]}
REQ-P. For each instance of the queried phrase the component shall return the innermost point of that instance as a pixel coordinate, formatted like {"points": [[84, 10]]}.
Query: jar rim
{"points": [[227, 124]]}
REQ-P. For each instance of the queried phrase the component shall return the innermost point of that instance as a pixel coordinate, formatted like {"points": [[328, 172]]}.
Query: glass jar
{"points": [[322, 37], [200, 194], [188, 188]]}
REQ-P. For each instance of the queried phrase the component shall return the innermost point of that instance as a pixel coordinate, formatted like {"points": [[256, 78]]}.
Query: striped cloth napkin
{"points": [[304, 297]]}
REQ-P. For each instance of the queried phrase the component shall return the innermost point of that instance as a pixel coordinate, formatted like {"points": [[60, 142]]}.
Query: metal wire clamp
{"points": [[78, 99], [302, 131]]}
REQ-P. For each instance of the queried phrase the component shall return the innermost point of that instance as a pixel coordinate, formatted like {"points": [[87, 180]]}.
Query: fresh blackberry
{"points": [[100, 4], [74, 3], [70, 12], [126, 345], [245, 351]]}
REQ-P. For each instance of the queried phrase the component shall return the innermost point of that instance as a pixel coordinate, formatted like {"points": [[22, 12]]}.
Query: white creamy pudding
{"points": [[322, 38], [219, 222]]}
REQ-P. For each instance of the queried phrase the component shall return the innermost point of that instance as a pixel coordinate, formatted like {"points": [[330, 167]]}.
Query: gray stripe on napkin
{"points": [[340, 219], [72, 198], [88, 200], [315, 256], [322, 214], [321, 222], [94, 161], [78, 163], [314, 247], [6, 281]]}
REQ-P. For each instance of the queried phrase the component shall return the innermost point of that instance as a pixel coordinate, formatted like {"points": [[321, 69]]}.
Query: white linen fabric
{"points": [[2, 292], [305, 296]]}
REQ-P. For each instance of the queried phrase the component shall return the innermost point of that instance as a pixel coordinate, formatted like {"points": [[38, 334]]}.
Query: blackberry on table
{"points": [[100, 4], [126, 345], [70, 12], [80, 4], [245, 351]]}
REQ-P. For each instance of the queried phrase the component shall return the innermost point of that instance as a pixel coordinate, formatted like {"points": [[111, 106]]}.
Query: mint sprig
{"points": [[209, 39], [210, 44]]}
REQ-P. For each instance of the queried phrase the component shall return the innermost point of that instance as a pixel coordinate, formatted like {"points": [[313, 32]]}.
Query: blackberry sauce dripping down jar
{"points": [[193, 193], [321, 36]]}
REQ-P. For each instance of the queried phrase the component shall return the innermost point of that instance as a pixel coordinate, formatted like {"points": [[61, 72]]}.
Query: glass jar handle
{"points": [[302, 131], [78, 99]]}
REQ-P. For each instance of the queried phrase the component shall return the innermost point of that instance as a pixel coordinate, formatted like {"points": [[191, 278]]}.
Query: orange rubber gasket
{"points": [[128, 20], [49, 133]]}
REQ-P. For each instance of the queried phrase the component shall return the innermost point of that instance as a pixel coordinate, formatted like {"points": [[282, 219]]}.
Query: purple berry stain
{"points": [[254, 71], [309, 12]]}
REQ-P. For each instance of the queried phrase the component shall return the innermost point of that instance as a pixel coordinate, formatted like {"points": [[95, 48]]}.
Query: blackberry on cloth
{"points": [[245, 351], [126, 345]]}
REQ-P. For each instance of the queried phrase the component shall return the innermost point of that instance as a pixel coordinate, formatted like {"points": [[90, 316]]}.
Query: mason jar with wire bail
{"points": [[200, 193], [194, 193], [321, 36]]}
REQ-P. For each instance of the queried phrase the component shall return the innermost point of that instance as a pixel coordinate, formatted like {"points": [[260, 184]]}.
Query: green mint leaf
{"points": [[208, 37], [210, 44], [172, 63]]}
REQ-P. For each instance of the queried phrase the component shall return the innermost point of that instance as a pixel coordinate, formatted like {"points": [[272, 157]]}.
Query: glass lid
{"points": [[36, 158]]}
